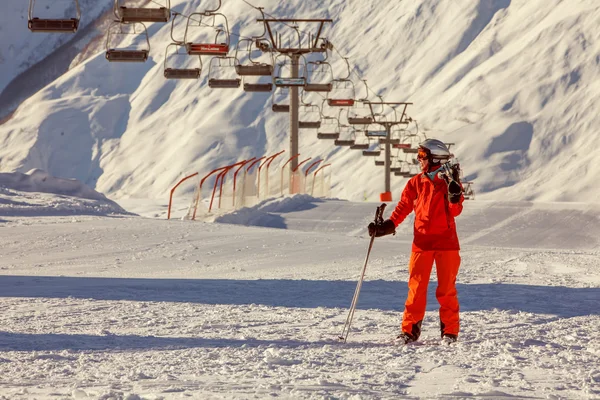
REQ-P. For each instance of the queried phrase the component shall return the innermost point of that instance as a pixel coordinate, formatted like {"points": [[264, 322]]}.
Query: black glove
{"points": [[451, 174], [454, 192], [387, 227]]}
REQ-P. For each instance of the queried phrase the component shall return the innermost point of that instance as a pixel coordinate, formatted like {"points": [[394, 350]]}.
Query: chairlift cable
{"points": [[201, 23]]}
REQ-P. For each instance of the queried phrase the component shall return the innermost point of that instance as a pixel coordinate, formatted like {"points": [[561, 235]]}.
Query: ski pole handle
{"points": [[379, 214]]}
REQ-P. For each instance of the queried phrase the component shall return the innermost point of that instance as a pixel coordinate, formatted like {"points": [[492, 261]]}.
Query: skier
{"points": [[436, 196]]}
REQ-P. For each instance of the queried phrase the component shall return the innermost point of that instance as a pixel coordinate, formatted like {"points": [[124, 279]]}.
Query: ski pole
{"points": [[344, 336]]}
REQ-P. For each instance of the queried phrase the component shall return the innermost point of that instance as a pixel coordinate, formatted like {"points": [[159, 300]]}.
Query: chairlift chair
{"points": [[258, 87], [313, 68], [181, 73], [222, 83], [371, 153], [281, 95], [308, 112], [379, 163], [53, 25], [217, 49], [252, 68], [287, 81], [342, 93], [347, 132], [124, 54], [142, 14], [329, 129]]}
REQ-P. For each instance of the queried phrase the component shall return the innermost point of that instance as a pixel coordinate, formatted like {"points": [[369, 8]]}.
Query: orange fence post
{"points": [[173, 190], [221, 177], [308, 170], [282, 168], [235, 177], [293, 180], [312, 191], [268, 160]]}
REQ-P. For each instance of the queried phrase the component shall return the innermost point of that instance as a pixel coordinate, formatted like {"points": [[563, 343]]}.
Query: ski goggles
{"points": [[422, 154]]}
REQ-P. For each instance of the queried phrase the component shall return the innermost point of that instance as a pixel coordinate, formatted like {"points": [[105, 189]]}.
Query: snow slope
{"points": [[140, 308], [514, 84]]}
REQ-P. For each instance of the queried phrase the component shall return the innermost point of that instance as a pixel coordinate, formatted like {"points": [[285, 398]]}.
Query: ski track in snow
{"points": [[138, 308]]}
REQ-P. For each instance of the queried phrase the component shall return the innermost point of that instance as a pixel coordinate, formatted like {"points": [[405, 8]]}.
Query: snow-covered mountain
{"points": [[514, 84]]}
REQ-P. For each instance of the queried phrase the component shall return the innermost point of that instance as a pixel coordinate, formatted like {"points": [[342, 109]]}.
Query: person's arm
{"points": [[406, 204]]}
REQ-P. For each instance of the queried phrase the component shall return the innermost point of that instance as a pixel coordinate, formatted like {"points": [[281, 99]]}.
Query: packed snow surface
{"points": [[117, 306]]}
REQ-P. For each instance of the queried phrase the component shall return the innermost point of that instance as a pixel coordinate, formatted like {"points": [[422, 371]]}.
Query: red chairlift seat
{"points": [[204, 49], [189, 73], [224, 83], [371, 153], [116, 55], [143, 14], [344, 142], [281, 108], [309, 124], [258, 87], [401, 146], [54, 25], [340, 102]]}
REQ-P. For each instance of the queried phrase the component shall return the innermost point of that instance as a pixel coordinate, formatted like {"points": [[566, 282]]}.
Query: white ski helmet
{"points": [[436, 150]]}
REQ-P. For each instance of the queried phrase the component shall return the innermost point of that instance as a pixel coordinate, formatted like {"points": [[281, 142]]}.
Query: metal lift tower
{"points": [[295, 53], [388, 124]]}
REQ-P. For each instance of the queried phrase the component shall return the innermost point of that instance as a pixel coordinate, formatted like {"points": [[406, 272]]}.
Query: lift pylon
{"points": [[311, 45]]}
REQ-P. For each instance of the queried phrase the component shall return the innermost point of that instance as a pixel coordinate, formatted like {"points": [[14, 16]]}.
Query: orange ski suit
{"points": [[435, 239]]}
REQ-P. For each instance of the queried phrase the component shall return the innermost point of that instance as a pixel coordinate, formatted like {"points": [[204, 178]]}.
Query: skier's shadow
{"points": [[564, 302]]}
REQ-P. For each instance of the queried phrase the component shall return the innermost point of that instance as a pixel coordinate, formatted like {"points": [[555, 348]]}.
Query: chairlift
{"points": [[379, 163], [343, 91], [125, 54], [287, 81], [310, 116], [329, 129], [219, 48], [376, 133], [258, 87], [143, 14], [389, 141], [314, 68], [181, 73], [371, 153], [280, 95], [53, 25], [360, 113], [348, 132], [252, 68], [221, 63], [346, 86]]}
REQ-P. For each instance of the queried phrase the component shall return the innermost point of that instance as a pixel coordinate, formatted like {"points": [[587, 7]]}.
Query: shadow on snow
{"points": [[563, 302]]}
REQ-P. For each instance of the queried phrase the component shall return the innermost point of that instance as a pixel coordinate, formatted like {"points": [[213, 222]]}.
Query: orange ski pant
{"points": [[447, 263]]}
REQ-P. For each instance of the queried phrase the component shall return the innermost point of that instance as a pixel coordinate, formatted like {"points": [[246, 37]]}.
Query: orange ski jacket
{"points": [[434, 228]]}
